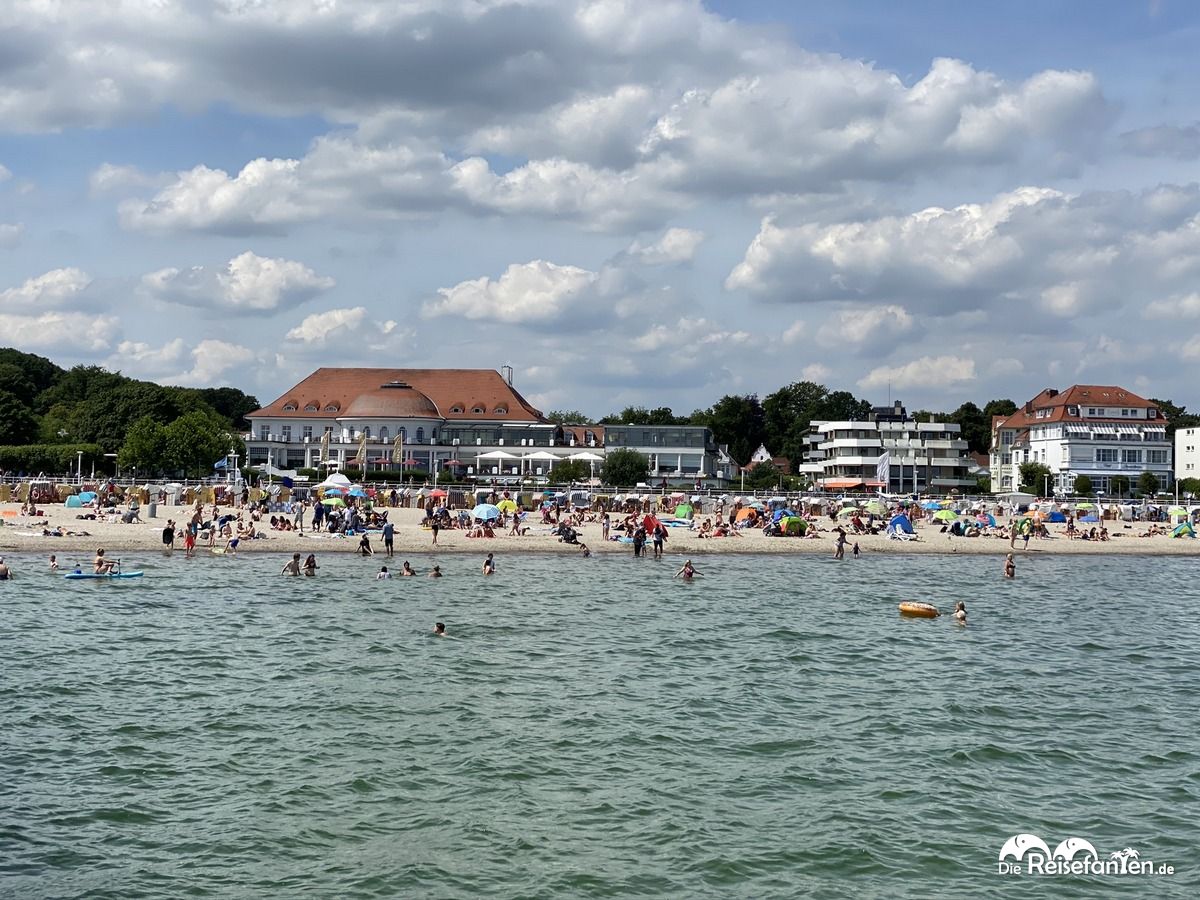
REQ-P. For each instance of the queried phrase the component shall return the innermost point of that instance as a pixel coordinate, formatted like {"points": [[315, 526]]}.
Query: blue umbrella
{"points": [[357, 492], [485, 512], [1089, 519], [931, 504]]}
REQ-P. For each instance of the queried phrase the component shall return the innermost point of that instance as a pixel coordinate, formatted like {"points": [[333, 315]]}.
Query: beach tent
{"points": [[1057, 516], [931, 504], [901, 523], [683, 511], [782, 513], [506, 505], [793, 525], [336, 480], [745, 513], [1184, 528], [1090, 519]]}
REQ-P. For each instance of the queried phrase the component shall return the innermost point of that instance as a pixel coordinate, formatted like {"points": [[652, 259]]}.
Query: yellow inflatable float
{"points": [[920, 610]]}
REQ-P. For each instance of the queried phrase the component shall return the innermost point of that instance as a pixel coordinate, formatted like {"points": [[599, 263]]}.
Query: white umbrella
{"points": [[336, 480], [540, 454], [586, 457], [497, 454]]}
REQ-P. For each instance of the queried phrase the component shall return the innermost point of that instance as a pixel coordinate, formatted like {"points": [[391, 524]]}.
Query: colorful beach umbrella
{"points": [[945, 515], [876, 508], [506, 505], [334, 501], [485, 512]]}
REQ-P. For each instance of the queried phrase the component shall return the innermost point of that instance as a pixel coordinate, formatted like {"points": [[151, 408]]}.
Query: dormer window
{"points": [[331, 407], [478, 410], [500, 410], [311, 407], [456, 410], [289, 407]]}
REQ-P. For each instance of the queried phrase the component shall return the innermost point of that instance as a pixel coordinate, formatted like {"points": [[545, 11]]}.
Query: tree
{"points": [[1033, 476], [228, 403], [1189, 486], [1119, 485], [570, 470], [17, 423], [787, 415], [762, 475], [998, 408], [192, 443], [14, 381], [736, 421], [639, 415], [1148, 484], [145, 445], [975, 427], [625, 467], [1083, 486], [568, 417]]}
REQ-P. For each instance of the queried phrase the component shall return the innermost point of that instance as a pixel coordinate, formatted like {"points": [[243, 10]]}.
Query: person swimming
{"points": [[687, 571], [407, 570], [960, 613], [439, 629], [383, 574], [436, 573], [1010, 566]]}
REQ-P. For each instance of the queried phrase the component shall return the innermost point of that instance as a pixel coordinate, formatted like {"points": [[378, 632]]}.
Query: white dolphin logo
{"points": [[1073, 845], [1017, 845]]}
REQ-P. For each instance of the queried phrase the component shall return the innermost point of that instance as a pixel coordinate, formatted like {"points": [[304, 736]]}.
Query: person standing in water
{"points": [[840, 552], [1010, 566], [687, 571], [293, 567], [364, 545], [489, 565], [960, 613], [383, 574], [310, 565], [389, 537], [407, 570]]}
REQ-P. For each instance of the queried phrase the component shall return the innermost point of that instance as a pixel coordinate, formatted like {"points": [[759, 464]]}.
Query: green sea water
{"points": [[594, 728]]}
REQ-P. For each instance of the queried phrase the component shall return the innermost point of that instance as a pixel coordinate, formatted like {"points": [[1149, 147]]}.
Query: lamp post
{"points": [[79, 465], [1046, 486]]}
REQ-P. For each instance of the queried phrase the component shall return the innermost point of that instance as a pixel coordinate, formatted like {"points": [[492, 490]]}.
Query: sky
{"points": [[630, 203]]}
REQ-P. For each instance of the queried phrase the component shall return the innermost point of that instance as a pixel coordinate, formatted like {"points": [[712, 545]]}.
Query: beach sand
{"points": [[18, 535]]}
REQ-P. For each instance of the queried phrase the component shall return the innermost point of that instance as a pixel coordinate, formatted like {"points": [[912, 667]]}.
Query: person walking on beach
{"points": [[433, 526], [639, 541], [1010, 566], [605, 525], [189, 541], [293, 567], [489, 565], [389, 537], [660, 538], [1012, 536]]}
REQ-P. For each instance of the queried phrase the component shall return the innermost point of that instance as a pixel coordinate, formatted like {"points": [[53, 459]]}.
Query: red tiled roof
{"points": [[1078, 395], [452, 394]]}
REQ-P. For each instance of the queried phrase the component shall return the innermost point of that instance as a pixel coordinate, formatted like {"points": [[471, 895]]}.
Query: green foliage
{"points": [[51, 458], [192, 443], [975, 426], [736, 421], [17, 424], [983, 484], [639, 415], [1148, 484], [789, 411], [228, 403], [570, 470], [1003, 407], [145, 446], [762, 475], [1119, 485], [568, 417], [13, 380], [1083, 486], [1189, 486], [625, 467], [1033, 476], [37, 370]]}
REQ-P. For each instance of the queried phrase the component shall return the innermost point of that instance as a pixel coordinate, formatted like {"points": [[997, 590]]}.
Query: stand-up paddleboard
{"points": [[78, 576]]}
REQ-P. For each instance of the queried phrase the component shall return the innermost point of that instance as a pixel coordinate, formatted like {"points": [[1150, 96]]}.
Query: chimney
{"points": [[507, 372], [1051, 392]]}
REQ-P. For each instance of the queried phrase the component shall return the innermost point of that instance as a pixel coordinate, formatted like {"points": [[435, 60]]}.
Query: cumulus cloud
{"points": [[536, 292], [109, 178], [53, 288], [686, 334], [677, 245], [59, 332], [926, 372], [211, 360], [140, 357], [5, 174], [1041, 251], [863, 326], [1174, 141], [248, 284]]}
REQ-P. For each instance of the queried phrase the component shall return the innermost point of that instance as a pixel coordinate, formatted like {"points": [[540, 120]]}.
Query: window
{"points": [[289, 406], [264, 432], [1092, 411], [1131, 456], [311, 407], [1006, 438], [1152, 414], [328, 429], [478, 410], [367, 432], [1158, 457], [307, 433], [331, 407], [1106, 454], [352, 433], [403, 432], [500, 410], [383, 433], [287, 432], [456, 409], [420, 435]]}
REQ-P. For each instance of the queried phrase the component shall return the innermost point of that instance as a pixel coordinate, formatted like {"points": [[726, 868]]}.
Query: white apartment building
{"points": [[923, 457], [1187, 453], [1099, 431]]}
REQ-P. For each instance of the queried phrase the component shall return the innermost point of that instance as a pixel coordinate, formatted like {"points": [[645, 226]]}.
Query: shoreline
{"points": [[19, 536]]}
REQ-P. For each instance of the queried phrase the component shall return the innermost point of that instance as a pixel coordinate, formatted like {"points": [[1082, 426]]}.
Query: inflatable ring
{"points": [[920, 610]]}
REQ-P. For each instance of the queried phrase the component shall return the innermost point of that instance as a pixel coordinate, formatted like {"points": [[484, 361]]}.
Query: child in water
{"points": [[960, 613]]}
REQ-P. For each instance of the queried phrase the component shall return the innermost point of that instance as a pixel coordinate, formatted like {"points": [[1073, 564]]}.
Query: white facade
{"points": [[1187, 453], [923, 456]]}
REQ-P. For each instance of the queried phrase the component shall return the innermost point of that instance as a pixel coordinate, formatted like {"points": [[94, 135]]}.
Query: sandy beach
{"points": [[21, 535]]}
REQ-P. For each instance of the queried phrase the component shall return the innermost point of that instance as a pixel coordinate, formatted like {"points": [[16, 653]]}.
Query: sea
{"points": [[598, 728]]}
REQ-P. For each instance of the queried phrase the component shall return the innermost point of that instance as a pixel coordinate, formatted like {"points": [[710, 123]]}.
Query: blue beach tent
{"points": [[901, 523]]}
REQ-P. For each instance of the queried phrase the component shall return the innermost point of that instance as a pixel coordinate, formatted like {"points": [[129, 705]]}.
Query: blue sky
{"points": [[630, 203]]}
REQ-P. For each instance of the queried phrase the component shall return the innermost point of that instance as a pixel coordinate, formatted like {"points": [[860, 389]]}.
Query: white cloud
{"points": [[211, 359], [865, 325], [686, 335], [10, 234], [794, 332], [815, 372], [109, 178], [926, 372], [532, 292], [249, 283], [140, 357], [321, 327], [59, 332], [677, 245], [50, 289], [5, 174], [1178, 307]]}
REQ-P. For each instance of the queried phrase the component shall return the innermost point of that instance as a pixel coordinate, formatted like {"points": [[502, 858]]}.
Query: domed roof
{"points": [[395, 400]]}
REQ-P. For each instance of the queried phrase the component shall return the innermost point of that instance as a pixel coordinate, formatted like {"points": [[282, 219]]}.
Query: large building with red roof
{"points": [[1100, 431], [471, 421]]}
